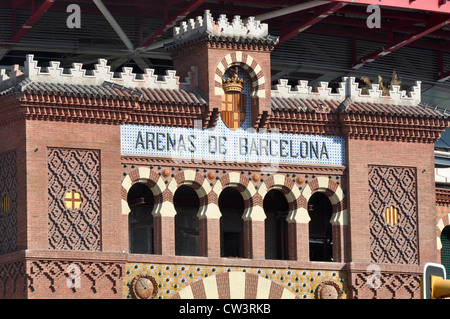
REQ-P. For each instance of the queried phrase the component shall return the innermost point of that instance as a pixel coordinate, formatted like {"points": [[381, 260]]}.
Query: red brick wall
{"points": [[105, 138], [207, 61], [114, 233], [360, 154]]}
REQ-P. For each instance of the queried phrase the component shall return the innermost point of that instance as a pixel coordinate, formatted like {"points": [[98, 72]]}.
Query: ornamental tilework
{"points": [[224, 145], [393, 187], [442, 211], [172, 278], [8, 201], [74, 199]]}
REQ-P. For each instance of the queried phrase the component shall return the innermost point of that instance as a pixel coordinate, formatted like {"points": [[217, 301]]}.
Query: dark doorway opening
{"points": [[276, 208], [320, 228], [186, 204], [140, 219], [231, 205]]}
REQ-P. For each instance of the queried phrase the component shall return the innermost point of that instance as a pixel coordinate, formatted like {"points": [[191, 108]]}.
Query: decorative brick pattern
{"points": [[76, 171], [393, 186], [12, 279], [8, 203], [392, 286], [53, 277]]}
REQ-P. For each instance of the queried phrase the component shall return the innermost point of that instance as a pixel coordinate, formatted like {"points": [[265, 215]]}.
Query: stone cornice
{"points": [[75, 95], [239, 166], [392, 127], [54, 107], [442, 196], [305, 122], [51, 107]]}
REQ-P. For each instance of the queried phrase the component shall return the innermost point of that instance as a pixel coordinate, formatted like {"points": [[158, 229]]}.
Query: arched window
{"points": [[276, 208], [445, 250], [186, 204], [140, 219], [320, 229], [231, 205]]}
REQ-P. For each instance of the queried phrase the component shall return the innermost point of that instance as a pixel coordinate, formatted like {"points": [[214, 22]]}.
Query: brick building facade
{"points": [[183, 186]]}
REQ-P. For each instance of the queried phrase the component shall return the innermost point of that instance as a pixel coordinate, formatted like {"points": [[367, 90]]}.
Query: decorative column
{"points": [[209, 227], [340, 239], [298, 234], [254, 234], [164, 227]]}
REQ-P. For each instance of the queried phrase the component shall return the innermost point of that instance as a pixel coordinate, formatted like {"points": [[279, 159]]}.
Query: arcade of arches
{"points": [[295, 225]]}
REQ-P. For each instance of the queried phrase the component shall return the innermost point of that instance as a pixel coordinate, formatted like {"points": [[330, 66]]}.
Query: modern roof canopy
{"points": [[317, 40]]}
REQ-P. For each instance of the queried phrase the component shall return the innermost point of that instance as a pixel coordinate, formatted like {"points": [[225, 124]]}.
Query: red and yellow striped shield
{"points": [[391, 215], [233, 110], [6, 203], [73, 200]]}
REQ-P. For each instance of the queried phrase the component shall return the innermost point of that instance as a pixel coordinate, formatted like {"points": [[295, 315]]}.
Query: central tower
{"points": [[208, 52]]}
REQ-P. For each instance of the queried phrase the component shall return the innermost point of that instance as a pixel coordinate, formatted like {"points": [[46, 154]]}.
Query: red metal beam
{"points": [[338, 31], [399, 44], [172, 22], [35, 16], [444, 76], [442, 6], [389, 13], [319, 14]]}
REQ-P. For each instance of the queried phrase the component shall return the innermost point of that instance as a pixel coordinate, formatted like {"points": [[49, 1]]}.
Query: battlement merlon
{"points": [[100, 74], [196, 28], [348, 88]]}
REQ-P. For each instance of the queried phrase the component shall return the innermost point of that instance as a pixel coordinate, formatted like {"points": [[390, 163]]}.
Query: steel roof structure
{"points": [[318, 40]]}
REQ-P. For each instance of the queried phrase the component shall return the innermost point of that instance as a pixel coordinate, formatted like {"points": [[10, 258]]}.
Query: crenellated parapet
{"points": [[372, 112], [195, 28], [101, 74], [374, 94], [247, 33], [304, 91], [349, 89]]}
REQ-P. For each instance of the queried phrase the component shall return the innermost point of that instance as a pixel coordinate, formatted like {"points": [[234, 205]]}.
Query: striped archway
{"points": [[148, 177], [287, 187], [247, 190], [440, 225], [195, 180], [248, 63], [234, 285], [339, 217], [334, 193], [444, 249]]}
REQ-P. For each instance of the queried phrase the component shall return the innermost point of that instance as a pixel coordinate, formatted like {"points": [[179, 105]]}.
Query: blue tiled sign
{"points": [[224, 145]]}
